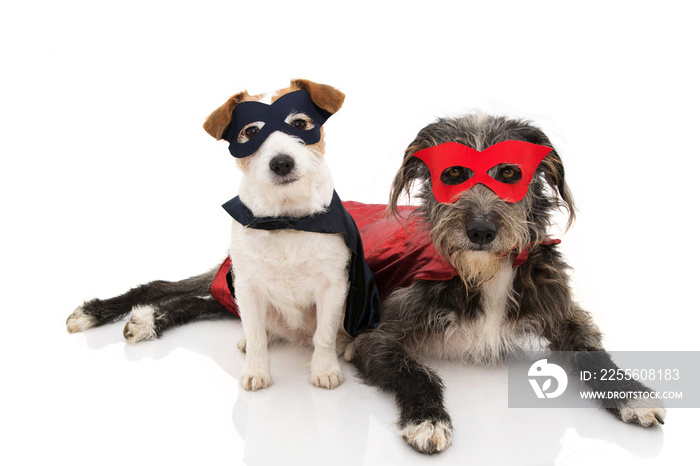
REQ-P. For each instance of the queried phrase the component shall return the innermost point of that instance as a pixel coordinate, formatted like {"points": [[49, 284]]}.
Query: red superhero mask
{"points": [[455, 168]]}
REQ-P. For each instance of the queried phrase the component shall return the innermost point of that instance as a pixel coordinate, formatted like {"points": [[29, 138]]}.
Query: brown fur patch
{"points": [[320, 147], [243, 164], [327, 97], [220, 118]]}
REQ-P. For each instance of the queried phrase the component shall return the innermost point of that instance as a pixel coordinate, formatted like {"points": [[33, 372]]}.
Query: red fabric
{"points": [[397, 254], [521, 258], [524, 155], [220, 290]]}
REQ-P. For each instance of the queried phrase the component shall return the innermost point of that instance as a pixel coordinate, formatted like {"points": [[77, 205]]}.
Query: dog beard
{"points": [[475, 267]]}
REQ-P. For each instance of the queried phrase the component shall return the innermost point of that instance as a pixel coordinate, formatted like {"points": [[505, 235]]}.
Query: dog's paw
{"points": [[643, 415], [79, 321], [428, 436], [241, 345], [141, 326], [327, 379], [255, 380], [325, 369]]}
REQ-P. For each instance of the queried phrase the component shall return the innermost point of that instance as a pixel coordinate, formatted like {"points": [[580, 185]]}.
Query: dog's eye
{"points": [[299, 121], [300, 124], [508, 174], [249, 131], [456, 175]]}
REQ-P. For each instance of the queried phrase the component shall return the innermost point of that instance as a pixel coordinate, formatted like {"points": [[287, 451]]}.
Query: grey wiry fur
{"points": [[157, 306], [491, 308]]}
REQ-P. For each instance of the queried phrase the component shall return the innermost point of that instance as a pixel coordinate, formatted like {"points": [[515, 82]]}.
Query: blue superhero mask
{"points": [[274, 116]]}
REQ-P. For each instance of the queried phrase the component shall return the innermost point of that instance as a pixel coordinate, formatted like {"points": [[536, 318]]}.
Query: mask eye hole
{"points": [[456, 175], [300, 121], [507, 173], [249, 131]]}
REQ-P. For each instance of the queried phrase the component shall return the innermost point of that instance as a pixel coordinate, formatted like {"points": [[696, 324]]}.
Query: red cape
{"points": [[399, 252]]}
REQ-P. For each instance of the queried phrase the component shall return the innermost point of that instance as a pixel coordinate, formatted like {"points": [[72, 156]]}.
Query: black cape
{"points": [[362, 306]]}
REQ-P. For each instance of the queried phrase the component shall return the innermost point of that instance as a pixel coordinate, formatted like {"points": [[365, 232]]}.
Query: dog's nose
{"points": [[481, 232], [281, 165]]}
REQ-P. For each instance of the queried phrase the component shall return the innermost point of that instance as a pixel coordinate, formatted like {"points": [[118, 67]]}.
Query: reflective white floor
{"points": [[93, 399]]}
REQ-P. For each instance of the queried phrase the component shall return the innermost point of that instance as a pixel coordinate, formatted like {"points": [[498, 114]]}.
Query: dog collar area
{"points": [[318, 223], [472, 167], [273, 118], [521, 258]]}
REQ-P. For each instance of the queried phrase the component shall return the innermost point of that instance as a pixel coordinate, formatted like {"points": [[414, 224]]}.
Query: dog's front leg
{"points": [[418, 390], [253, 310], [330, 302], [581, 335], [568, 327], [389, 357]]}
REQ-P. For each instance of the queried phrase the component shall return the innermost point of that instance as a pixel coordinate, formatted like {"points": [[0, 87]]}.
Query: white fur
{"points": [[289, 284], [79, 321], [428, 436], [486, 339], [266, 98], [645, 412], [141, 326]]}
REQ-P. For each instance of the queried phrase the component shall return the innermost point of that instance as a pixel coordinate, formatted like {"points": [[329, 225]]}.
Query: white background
{"points": [[108, 181]]}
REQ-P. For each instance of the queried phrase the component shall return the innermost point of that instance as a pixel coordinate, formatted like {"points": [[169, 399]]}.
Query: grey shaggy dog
{"points": [[491, 308]]}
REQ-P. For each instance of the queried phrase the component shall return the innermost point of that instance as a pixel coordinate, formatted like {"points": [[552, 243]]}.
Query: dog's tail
{"points": [[383, 362], [98, 312]]}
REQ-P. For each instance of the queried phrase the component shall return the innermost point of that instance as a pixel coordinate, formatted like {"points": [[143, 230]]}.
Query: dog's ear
{"points": [[551, 168], [412, 169], [553, 171], [220, 118], [328, 98]]}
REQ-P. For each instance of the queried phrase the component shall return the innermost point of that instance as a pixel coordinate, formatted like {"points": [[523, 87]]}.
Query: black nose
{"points": [[281, 165], [481, 232]]}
